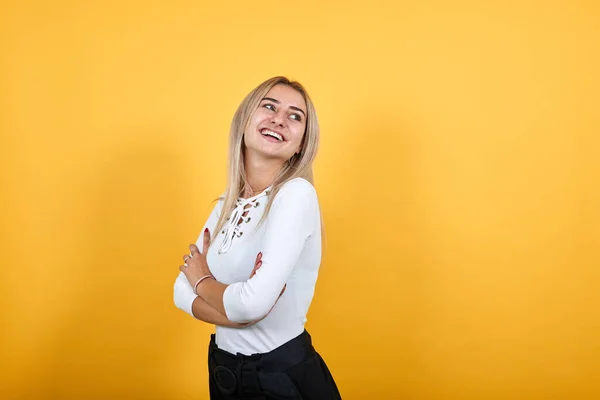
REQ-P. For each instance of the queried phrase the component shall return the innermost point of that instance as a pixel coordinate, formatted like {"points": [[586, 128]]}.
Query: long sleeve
{"points": [[183, 294], [290, 222]]}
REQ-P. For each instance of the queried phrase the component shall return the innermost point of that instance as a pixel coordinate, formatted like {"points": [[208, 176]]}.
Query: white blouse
{"points": [[290, 240]]}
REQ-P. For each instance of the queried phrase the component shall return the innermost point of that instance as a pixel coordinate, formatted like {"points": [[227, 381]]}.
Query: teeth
{"points": [[277, 136]]}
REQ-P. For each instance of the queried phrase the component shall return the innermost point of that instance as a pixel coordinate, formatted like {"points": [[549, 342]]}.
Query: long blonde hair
{"points": [[299, 166]]}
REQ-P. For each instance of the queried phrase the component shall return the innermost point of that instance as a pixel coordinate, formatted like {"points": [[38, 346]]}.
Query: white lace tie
{"points": [[233, 225]]}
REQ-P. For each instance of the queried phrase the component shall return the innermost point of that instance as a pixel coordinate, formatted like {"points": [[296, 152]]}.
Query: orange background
{"points": [[458, 176]]}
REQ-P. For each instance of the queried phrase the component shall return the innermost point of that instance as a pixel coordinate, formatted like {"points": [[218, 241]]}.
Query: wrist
{"points": [[200, 280]]}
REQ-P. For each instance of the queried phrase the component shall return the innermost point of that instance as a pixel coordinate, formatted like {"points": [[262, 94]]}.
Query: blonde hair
{"points": [[298, 166]]}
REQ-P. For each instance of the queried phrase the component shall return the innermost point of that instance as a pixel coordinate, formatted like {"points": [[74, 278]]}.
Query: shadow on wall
{"points": [[376, 249], [121, 336]]}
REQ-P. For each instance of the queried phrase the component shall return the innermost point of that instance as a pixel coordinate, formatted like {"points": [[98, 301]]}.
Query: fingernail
{"points": [[260, 254], [205, 230]]}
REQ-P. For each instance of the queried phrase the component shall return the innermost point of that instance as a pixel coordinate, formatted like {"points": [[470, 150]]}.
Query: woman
{"points": [[261, 250]]}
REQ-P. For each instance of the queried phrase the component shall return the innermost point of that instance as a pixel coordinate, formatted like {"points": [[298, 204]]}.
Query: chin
{"points": [[263, 152], [273, 156], [267, 150]]}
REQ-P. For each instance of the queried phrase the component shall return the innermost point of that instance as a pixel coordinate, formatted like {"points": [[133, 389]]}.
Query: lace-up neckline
{"points": [[240, 215]]}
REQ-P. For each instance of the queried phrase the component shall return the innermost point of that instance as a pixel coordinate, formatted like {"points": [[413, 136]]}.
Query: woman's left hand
{"points": [[195, 265]]}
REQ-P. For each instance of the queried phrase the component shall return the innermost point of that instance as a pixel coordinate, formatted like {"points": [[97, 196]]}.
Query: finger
{"points": [[206, 241], [256, 267], [182, 268], [194, 249], [186, 257], [257, 262]]}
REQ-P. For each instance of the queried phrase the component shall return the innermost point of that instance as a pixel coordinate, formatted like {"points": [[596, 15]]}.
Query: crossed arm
{"points": [[293, 218], [200, 309], [204, 312]]}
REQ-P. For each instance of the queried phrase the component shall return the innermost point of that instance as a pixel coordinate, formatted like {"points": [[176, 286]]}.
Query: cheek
{"points": [[254, 121], [259, 116], [298, 134]]}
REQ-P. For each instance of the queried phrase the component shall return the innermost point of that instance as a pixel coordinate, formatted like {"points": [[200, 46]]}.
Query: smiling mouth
{"points": [[270, 133]]}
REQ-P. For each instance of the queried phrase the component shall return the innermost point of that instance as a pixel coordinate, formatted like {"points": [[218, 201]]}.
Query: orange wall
{"points": [[458, 175]]}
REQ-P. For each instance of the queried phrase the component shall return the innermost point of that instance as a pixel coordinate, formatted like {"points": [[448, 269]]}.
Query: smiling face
{"points": [[277, 126]]}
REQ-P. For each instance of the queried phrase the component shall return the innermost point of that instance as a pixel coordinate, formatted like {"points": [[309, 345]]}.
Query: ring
{"points": [[185, 264], [186, 257]]}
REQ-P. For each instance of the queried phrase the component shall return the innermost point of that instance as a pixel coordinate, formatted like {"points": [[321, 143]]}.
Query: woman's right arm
{"points": [[202, 311], [186, 300]]}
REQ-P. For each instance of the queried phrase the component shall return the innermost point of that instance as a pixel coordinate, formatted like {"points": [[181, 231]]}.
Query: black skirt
{"points": [[292, 371]]}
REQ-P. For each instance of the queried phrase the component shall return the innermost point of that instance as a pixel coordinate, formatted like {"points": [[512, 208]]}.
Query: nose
{"points": [[277, 119]]}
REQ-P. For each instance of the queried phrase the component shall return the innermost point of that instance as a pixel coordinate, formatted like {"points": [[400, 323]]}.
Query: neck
{"points": [[260, 173]]}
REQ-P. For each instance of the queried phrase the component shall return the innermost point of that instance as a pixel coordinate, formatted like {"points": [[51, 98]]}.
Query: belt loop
{"points": [[249, 378]]}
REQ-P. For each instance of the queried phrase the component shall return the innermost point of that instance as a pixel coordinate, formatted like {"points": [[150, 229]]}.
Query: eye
{"points": [[296, 117], [269, 106]]}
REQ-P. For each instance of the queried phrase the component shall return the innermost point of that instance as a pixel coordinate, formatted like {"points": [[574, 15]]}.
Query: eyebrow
{"points": [[278, 102]]}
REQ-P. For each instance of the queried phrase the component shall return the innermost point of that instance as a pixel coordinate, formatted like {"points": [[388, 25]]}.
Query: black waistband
{"points": [[283, 357], [258, 373]]}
